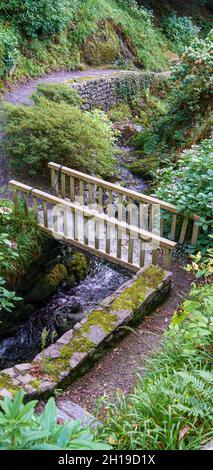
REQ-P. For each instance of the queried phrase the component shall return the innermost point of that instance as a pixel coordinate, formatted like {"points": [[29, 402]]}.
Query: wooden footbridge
{"points": [[105, 219]]}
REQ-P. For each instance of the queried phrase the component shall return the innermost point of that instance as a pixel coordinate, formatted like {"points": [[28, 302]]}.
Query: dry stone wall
{"points": [[105, 91]]}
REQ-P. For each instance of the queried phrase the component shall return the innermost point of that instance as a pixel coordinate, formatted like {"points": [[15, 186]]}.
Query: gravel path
{"points": [[23, 93], [117, 369]]}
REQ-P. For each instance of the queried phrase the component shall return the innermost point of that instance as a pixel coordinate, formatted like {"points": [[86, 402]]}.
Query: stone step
{"points": [[67, 409]]}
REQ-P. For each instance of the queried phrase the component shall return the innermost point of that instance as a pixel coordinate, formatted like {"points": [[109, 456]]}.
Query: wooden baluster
{"points": [[100, 199], [143, 216], [142, 253], [44, 203], [72, 188], [91, 195], [55, 219], [161, 225], [76, 227], [35, 208], [63, 185], [81, 192], [183, 230], [97, 235], [195, 233], [54, 181], [110, 204], [119, 243], [173, 227], [130, 247], [119, 231], [16, 197], [86, 230], [65, 222], [150, 216], [108, 237], [167, 254], [26, 210], [154, 256]]}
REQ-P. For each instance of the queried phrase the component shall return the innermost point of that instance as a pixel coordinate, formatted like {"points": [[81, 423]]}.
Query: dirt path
{"points": [[117, 370], [23, 93]]}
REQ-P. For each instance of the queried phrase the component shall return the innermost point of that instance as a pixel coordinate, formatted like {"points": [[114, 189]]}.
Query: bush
{"points": [[40, 18], [188, 117], [61, 133], [57, 93], [181, 30], [171, 407], [190, 185], [9, 53], [20, 241], [23, 429]]}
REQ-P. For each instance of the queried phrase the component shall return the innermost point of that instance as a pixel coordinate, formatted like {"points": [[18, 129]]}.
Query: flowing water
{"points": [[102, 281]]}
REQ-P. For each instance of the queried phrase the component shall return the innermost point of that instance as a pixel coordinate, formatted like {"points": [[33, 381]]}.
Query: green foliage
{"points": [[190, 184], [57, 93], [23, 429], [20, 241], [7, 298], [188, 117], [9, 53], [181, 30], [40, 18], [171, 407], [202, 266], [61, 133], [119, 112]]}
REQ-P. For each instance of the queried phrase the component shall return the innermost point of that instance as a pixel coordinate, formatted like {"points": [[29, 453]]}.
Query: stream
{"points": [[103, 279]]}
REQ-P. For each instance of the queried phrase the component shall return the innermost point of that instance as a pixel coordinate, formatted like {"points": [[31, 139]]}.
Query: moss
{"points": [[77, 268], [132, 298], [35, 384], [78, 344], [144, 166], [48, 284], [105, 320], [103, 46], [7, 383]]}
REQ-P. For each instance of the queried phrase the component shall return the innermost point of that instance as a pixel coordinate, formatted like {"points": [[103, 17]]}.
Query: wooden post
{"points": [[142, 253], [183, 230], [45, 214], [81, 192], [63, 184], [167, 258], [173, 227], [72, 189], [195, 233]]}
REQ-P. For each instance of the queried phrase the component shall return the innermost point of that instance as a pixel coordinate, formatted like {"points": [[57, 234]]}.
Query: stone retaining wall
{"points": [[105, 91], [76, 349]]}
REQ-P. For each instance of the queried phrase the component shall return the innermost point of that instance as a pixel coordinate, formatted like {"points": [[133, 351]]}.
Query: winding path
{"points": [[22, 94]]}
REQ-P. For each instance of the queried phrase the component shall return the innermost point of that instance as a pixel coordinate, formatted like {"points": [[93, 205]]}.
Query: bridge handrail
{"points": [[142, 234], [113, 187], [64, 171]]}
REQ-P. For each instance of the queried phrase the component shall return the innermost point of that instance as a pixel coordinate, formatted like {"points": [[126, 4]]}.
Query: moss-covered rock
{"points": [[48, 284], [144, 167], [103, 46], [77, 268]]}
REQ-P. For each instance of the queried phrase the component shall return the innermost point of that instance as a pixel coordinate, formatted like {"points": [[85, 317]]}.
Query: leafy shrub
{"points": [[40, 18], [181, 30], [7, 298], [23, 429], [20, 241], [57, 93], [9, 53], [171, 407], [190, 185], [61, 133], [188, 116], [119, 111]]}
